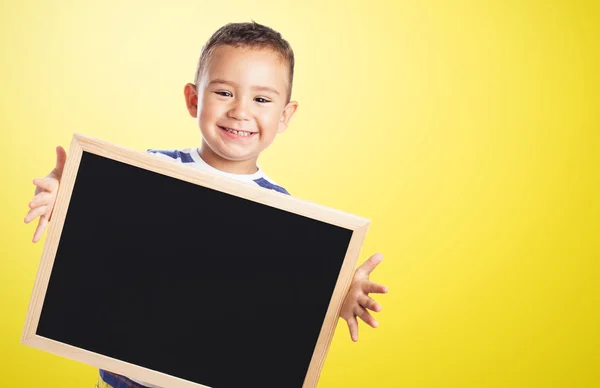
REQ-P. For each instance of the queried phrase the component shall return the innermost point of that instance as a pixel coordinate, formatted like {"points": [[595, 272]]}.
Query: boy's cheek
{"points": [[208, 110]]}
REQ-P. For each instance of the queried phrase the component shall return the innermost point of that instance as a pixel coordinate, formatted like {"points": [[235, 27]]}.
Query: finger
{"points": [[369, 303], [40, 199], [61, 157], [372, 287], [367, 318], [353, 327], [368, 266], [35, 213], [49, 184], [39, 231]]}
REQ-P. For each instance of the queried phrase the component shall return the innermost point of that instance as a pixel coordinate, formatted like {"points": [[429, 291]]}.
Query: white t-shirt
{"points": [[191, 157]]}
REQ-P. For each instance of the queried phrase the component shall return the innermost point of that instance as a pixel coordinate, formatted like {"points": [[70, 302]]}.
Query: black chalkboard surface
{"points": [[182, 278]]}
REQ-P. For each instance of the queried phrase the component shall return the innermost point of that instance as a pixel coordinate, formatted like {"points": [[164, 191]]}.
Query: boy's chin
{"points": [[237, 156]]}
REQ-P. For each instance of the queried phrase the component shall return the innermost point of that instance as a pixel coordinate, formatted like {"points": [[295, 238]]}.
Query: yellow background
{"points": [[467, 131]]}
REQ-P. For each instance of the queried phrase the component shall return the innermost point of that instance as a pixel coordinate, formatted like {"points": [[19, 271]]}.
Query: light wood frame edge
{"points": [[81, 143], [333, 312], [51, 245], [110, 364]]}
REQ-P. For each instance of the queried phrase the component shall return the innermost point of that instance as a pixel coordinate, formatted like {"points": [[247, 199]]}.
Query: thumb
{"points": [[61, 158], [368, 266]]}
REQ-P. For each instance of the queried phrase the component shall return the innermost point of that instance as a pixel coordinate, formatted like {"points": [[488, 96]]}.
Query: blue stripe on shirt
{"points": [[262, 182], [184, 156], [118, 381]]}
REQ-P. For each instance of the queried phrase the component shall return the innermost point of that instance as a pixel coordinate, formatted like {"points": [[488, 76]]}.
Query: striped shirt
{"points": [[191, 157]]}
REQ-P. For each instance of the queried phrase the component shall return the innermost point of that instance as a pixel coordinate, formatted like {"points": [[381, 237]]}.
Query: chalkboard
{"points": [[182, 278]]}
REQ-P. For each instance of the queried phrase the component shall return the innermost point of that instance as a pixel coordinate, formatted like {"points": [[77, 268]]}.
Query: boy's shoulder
{"points": [[191, 157]]}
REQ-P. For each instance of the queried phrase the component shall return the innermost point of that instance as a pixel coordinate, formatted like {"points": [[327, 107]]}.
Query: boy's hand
{"points": [[42, 203], [358, 301]]}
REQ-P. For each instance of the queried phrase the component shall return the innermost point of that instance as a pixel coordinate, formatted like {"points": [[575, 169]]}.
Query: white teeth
{"points": [[240, 133]]}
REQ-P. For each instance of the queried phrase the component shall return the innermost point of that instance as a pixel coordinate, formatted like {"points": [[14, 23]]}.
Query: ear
{"points": [[191, 99], [286, 116]]}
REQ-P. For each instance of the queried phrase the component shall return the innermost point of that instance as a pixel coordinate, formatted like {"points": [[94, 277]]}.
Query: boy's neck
{"points": [[225, 165]]}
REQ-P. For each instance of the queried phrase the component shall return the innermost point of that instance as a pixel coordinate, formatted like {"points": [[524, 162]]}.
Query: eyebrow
{"points": [[254, 87]]}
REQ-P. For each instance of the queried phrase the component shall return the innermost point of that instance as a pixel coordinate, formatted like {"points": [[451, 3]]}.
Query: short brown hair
{"points": [[252, 35]]}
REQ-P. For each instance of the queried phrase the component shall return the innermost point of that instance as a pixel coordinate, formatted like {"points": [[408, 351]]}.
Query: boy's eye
{"points": [[224, 94], [261, 100]]}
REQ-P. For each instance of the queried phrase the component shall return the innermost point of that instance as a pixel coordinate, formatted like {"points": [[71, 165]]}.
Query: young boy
{"points": [[241, 99]]}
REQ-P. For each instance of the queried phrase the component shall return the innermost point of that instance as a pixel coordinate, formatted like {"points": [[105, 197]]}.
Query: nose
{"points": [[239, 111]]}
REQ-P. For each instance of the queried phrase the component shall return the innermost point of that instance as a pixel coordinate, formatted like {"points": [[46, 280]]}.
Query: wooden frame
{"points": [[173, 169]]}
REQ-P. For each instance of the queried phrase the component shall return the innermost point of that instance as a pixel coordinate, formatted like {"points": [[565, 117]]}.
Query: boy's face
{"points": [[241, 101]]}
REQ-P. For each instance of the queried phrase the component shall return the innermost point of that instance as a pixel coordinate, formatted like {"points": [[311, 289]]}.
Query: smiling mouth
{"points": [[235, 132]]}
